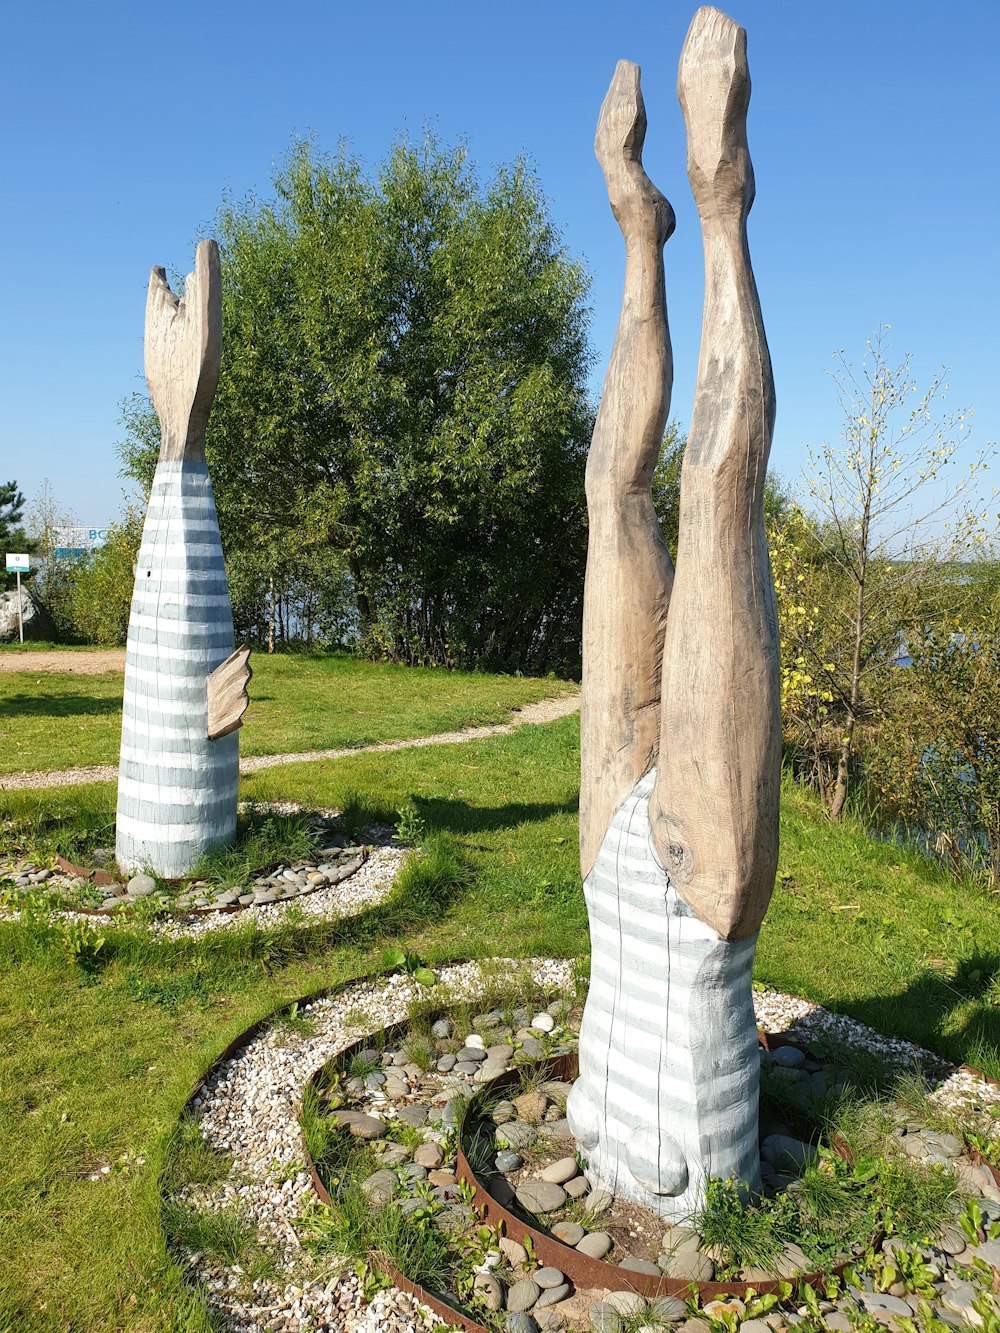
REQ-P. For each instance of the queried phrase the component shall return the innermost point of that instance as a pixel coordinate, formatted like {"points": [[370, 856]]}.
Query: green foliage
{"points": [[103, 582], [82, 945], [410, 963], [749, 1236], [935, 763], [888, 530], [12, 537], [404, 384], [191, 1159]]}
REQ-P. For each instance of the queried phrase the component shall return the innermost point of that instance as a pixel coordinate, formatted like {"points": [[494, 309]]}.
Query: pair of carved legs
{"points": [[680, 722]]}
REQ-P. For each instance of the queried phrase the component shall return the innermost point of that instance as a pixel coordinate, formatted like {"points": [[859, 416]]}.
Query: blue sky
{"points": [[873, 130]]}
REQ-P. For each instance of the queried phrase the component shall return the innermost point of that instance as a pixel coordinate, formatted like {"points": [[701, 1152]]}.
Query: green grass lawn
{"points": [[96, 1067], [317, 702]]}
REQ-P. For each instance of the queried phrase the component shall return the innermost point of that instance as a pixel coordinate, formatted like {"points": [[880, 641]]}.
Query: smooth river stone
{"points": [[596, 1244], [540, 1196], [570, 1233], [548, 1277], [522, 1295], [515, 1135], [559, 1172], [633, 1265]]}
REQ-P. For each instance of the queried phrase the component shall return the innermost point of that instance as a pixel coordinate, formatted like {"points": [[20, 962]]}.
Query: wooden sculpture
{"points": [[680, 721], [185, 687]]}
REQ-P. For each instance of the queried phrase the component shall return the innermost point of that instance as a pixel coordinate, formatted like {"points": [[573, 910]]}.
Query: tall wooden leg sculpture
{"points": [[180, 755], [679, 834]]}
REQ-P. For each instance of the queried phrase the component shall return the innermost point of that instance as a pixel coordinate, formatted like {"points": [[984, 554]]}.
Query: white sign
{"points": [[79, 538], [19, 564]]}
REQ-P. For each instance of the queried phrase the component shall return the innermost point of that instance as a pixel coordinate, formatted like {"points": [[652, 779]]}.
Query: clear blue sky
{"points": [[873, 130]]}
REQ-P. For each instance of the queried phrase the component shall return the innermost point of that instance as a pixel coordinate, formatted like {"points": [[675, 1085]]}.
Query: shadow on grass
{"points": [[960, 1009], [459, 817], [58, 705]]}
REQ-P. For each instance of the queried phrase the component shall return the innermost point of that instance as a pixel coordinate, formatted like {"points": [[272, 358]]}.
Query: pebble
{"points": [[878, 1300], [543, 1022], [508, 1162], [489, 1286], [604, 1318], [634, 1265], [521, 1322], [788, 1057], [598, 1201], [429, 1155], [548, 1277], [783, 1151], [141, 886], [570, 1233], [596, 1244], [552, 1295], [522, 1295], [626, 1303], [670, 1309], [540, 1196], [559, 1172], [577, 1187], [515, 1135], [515, 1252], [470, 1054]]}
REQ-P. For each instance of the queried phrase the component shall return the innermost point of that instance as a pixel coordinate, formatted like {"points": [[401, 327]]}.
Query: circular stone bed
{"points": [[343, 876], [376, 1113]]}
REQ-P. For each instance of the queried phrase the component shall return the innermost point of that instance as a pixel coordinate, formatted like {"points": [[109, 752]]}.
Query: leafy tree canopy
{"points": [[404, 381]]}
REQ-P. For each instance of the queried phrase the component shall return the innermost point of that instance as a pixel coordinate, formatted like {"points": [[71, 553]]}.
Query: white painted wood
{"points": [[177, 787]]}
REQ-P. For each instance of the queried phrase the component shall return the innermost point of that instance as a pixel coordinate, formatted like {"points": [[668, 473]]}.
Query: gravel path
{"points": [[75, 664], [547, 710]]}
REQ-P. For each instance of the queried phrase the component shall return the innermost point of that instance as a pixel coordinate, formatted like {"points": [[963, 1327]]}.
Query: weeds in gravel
{"points": [[223, 1234], [748, 1236], [191, 1159]]}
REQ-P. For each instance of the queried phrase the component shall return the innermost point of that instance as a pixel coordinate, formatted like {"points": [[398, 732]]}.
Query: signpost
{"points": [[18, 564]]}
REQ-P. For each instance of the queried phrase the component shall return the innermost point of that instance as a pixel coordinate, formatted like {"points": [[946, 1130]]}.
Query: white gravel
{"points": [[249, 1108]]}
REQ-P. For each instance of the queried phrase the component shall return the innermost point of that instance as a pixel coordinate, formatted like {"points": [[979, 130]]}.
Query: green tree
{"points": [[936, 763], [404, 384], [12, 536], [102, 588], [888, 529]]}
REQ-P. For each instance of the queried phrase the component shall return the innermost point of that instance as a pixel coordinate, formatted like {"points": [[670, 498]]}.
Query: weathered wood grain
{"points": [[679, 771], [227, 693], [714, 808], [184, 353], [629, 573]]}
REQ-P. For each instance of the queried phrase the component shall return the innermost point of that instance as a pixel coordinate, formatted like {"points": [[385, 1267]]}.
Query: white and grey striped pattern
{"points": [[669, 1067], [176, 788]]}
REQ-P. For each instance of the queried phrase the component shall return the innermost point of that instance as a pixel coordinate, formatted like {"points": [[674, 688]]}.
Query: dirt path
{"points": [[547, 710], [76, 664]]}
